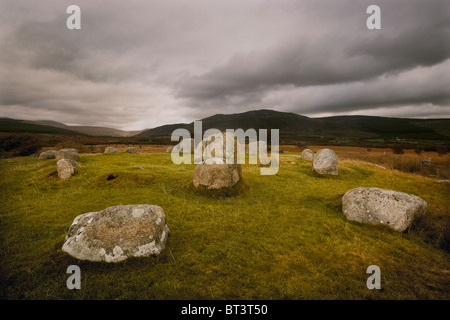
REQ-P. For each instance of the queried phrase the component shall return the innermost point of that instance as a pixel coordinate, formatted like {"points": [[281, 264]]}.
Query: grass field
{"points": [[284, 237]]}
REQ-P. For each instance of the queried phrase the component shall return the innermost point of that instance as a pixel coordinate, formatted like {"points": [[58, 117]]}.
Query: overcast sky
{"points": [[140, 64]]}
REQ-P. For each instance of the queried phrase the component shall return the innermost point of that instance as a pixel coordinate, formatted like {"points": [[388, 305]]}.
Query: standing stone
{"points": [[131, 150], [326, 162], [65, 168], [74, 163], [397, 210], [49, 154], [214, 172], [111, 150], [67, 153], [308, 155], [117, 233], [216, 176], [208, 147]]}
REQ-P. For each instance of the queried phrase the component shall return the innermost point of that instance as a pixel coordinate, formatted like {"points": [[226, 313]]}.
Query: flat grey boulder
{"points": [[216, 176], [111, 150], [307, 155], [117, 233], [326, 162], [66, 167], [49, 154], [375, 206], [67, 153], [131, 150]]}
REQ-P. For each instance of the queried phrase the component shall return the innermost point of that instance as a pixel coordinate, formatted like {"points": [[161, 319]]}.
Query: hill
{"points": [[337, 130], [21, 126], [88, 130], [296, 127]]}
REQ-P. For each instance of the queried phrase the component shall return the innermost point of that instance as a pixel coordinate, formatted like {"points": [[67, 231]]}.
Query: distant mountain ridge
{"points": [[88, 130], [294, 126], [22, 126]]}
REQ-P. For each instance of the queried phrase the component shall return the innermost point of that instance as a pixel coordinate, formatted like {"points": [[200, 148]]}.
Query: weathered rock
{"points": [[117, 233], [111, 150], [49, 154], [326, 162], [216, 176], [65, 168], [131, 150], [169, 149], [210, 146], [74, 163], [67, 153], [307, 155], [394, 209]]}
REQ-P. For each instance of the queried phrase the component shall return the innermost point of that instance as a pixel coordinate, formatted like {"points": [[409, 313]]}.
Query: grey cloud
{"points": [[346, 55], [143, 63]]}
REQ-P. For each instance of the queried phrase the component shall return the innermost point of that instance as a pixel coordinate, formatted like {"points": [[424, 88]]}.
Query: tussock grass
{"points": [[284, 237]]}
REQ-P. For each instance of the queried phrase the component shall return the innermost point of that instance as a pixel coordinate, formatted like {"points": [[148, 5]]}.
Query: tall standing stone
{"points": [[214, 172], [65, 168]]}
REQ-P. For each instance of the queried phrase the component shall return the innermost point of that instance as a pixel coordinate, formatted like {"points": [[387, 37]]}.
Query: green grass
{"points": [[283, 237]]}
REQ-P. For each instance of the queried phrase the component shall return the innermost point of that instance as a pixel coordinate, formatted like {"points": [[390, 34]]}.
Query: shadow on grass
{"points": [[228, 192]]}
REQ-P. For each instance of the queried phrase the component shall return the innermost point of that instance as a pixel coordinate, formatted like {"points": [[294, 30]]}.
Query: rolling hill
{"points": [[293, 127], [297, 127], [88, 130], [21, 126]]}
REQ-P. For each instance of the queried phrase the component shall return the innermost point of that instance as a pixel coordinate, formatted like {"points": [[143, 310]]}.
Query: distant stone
{"points": [[325, 162], [216, 176], [117, 233], [66, 167], [293, 162], [49, 154], [111, 150], [67, 153], [375, 206], [308, 155], [131, 150], [169, 149], [140, 167]]}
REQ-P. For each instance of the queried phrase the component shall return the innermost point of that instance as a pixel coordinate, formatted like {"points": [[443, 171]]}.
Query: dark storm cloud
{"points": [[142, 63], [346, 54]]}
